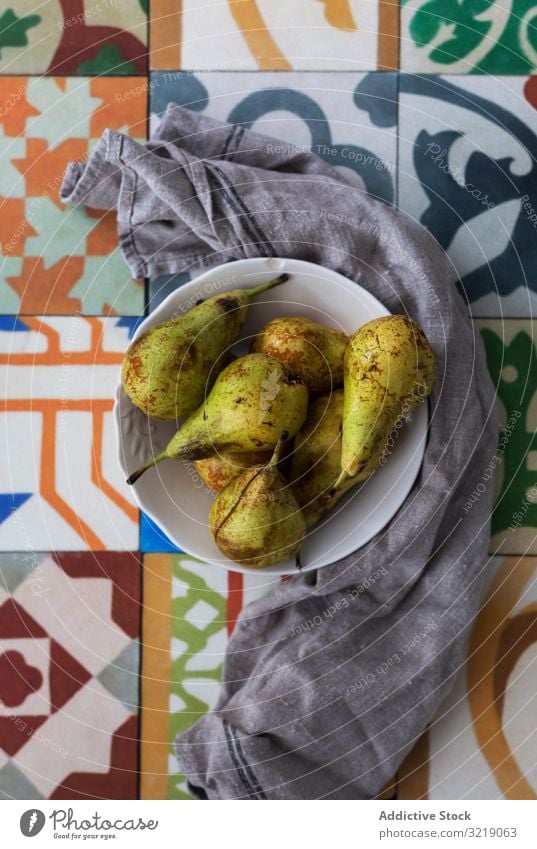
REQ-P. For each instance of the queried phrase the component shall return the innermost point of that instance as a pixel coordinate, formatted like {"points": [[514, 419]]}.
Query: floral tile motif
{"points": [[488, 36], [56, 259], [468, 172], [69, 627], [512, 361], [260, 34], [62, 486], [74, 37], [190, 609], [349, 120], [482, 744]]}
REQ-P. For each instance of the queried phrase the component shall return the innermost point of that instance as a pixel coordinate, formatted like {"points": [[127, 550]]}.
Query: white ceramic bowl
{"points": [[175, 497]]}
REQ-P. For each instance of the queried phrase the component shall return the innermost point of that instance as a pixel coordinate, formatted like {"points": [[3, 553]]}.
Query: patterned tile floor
{"points": [[440, 120]]}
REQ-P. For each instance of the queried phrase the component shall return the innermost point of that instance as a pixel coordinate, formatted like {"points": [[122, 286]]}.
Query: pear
{"points": [[312, 350], [253, 400], [256, 520], [316, 459], [390, 369], [221, 469], [169, 369]]}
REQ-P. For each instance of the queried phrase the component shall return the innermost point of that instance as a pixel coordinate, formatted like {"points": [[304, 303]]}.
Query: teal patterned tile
{"points": [[467, 171], [348, 119], [161, 287]]}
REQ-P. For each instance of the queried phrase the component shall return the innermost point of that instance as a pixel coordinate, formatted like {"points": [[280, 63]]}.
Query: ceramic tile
{"points": [[248, 35], [62, 485], [482, 744], [161, 287], [512, 362], [439, 37], [190, 609], [347, 119], [57, 259], [69, 627], [152, 538], [74, 37], [467, 172]]}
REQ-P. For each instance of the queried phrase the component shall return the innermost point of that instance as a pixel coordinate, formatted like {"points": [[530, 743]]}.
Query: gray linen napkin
{"points": [[331, 677]]}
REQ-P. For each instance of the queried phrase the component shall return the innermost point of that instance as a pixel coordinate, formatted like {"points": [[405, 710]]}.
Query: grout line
{"points": [[283, 73]]}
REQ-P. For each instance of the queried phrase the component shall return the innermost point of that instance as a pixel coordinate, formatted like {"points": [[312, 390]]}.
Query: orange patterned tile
{"points": [[57, 259]]}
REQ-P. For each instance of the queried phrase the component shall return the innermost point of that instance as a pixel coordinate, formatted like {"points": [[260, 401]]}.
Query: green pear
{"points": [[316, 459], [168, 370], [253, 400], [312, 350], [390, 369], [255, 520], [216, 472]]}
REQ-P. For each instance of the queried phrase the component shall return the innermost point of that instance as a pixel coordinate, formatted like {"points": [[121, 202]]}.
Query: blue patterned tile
{"points": [[161, 287], [349, 119], [467, 172], [153, 539]]}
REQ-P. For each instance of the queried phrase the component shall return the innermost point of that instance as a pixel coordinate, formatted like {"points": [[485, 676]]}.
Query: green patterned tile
{"points": [[469, 36], [512, 361]]}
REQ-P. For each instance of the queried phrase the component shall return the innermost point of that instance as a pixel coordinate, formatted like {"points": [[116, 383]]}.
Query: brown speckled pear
{"points": [[221, 469], [312, 350], [390, 369], [169, 369], [255, 520], [253, 401], [316, 459]]}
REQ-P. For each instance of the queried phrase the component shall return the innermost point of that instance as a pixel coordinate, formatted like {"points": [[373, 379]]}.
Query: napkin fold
{"points": [[332, 676]]}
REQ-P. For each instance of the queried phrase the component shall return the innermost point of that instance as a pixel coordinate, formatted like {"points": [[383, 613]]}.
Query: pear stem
{"points": [[139, 472], [257, 290], [278, 450]]}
